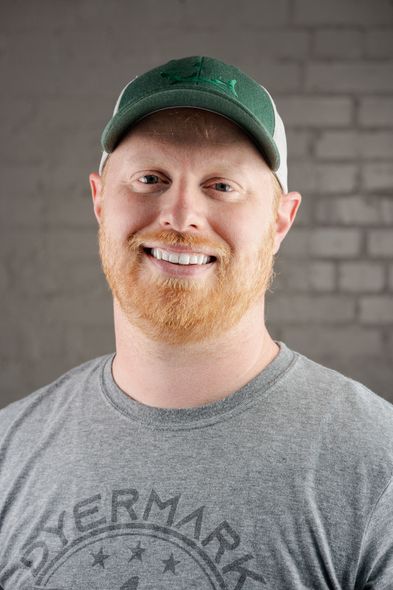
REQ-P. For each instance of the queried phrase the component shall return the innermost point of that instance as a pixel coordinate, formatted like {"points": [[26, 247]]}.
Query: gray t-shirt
{"points": [[286, 484]]}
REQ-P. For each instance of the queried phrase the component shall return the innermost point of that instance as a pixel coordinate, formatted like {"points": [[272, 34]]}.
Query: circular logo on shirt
{"points": [[141, 555]]}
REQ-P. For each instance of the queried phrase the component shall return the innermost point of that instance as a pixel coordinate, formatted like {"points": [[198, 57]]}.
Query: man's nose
{"points": [[182, 207]]}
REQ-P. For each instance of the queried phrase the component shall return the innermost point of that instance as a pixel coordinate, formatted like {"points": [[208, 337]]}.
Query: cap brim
{"points": [[217, 103]]}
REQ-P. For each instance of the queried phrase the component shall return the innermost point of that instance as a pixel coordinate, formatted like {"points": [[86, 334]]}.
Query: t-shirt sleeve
{"points": [[375, 571]]}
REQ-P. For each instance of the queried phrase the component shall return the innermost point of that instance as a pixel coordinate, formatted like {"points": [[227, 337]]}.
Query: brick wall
{"points": [[330, 67]]}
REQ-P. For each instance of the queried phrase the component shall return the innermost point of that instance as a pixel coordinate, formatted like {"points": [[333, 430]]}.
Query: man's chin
{"points": [[181, 318]]}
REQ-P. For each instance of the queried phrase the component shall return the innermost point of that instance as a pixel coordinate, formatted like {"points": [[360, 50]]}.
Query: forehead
{"points": [[190, 125]]}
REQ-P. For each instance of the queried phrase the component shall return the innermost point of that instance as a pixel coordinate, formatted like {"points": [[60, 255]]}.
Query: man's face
{"points": [[167, 185]]}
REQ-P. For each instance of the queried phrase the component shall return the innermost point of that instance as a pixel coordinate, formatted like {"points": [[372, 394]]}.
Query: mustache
{"points": [[175, 238]]}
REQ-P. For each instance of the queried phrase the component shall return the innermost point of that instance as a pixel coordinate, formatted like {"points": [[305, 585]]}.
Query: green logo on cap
{"points": [[174, 77]]}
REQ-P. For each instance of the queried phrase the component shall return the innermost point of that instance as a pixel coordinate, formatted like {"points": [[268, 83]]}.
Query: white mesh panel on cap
{"points": [[121, 95], [281, 143], [105, 154], [103, 160]]}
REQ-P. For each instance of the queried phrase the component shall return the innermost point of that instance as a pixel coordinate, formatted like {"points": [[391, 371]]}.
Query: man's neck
{"points": [[157, 374]]}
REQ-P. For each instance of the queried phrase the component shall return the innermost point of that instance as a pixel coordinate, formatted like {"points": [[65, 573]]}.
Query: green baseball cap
{"points": [[205, 83]]}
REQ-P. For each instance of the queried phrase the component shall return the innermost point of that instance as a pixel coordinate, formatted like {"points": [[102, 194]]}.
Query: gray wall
{"points": [[330, 66]]}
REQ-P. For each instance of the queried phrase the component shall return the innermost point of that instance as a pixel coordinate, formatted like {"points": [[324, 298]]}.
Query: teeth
{"points": [[180, 258]]}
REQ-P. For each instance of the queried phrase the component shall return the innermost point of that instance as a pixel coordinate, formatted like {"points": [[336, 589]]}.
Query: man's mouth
{"points": [[180, 258]]}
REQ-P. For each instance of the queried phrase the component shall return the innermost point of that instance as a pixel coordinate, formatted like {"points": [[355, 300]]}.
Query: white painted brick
{"points": [[331, 43], [166, 44], [376, 145], [336, 144], [22, 253], [46, 142], [21, 210], [205, 13], [336, 12], [322, 276], [377, 176], [353, 145], [376, 309], [277, 43], [298, 142], [322, 178], [376, 111], [196, 36], [16, 380], [335, 243], [338, 178], [334, 341], [180, 16], [144, 17], [72, 244], [4, 279], [72, 49], [302, 111], [76, 154], [354, 210], [380, 243], [68, 209], [386, 210], [304, 275], [296, 243], [264, 44], [304, 213], [349, 77], [26, 16], [20, 112], [38, 264], [21, 179], [319, 309], [23, 321], [302, 177], [361, 277], [2, 43], [84, 309], [56, 280], [57, 113], [379, 43], [276, 76], [258, 14], [97, 339]]}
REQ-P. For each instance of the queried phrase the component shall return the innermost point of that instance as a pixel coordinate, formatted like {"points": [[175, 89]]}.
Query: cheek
{"points": [[125, 217], [244, 231]]}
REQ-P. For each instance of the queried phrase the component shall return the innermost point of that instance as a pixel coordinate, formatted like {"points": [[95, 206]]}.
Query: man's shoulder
{"points": [[326, 379], [343, 399], [50, 394]]}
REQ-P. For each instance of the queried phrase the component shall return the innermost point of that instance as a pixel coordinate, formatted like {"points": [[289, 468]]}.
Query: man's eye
{"points": [[150, 177], [154, 179], [223, 184]]}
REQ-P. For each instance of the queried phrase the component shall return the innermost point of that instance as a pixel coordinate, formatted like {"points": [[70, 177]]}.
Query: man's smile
{"points": [[178, 268]]}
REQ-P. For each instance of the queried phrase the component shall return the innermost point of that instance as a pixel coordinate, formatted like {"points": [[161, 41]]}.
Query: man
{"points": [[202, 453]]}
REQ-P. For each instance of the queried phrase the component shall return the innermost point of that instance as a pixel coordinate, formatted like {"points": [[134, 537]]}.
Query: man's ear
{"points": [[289, 204], [96, 192]]}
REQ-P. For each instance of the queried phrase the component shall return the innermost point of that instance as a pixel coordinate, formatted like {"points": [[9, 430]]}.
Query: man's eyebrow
{"points": [[152, 159]]}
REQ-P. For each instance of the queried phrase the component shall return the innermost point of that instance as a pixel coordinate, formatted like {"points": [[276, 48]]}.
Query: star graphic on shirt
{"points": [[99, 558], [170, 564], [131, 584], [137, 552]]}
